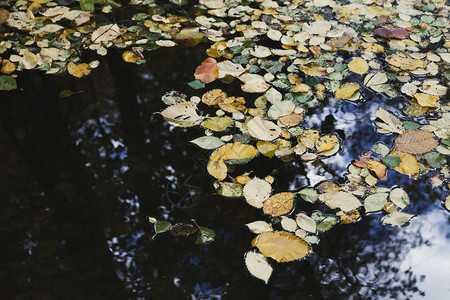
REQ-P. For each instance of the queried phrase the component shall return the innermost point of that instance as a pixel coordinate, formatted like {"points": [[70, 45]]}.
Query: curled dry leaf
{"points": [[281, 246], [208, 71], [256, 191], [415, 141], [279, 204], [258, 265]]}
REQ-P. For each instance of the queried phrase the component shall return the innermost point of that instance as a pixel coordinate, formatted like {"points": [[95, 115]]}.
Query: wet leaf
{"points": [[281, 246], [105, 34], [214, 97], [358, 65], [263, 129], [259, 227], [230, 189], [408, 165], [205, 235], [207, 72], [381, 149], [78, 70], [390, 122], [160, 227], [415, 141], [183, 229], [7, 83], [447, 203], [227, 68], [426, 100], [288, 224], [308, 194], [391, 161], [266, 148], [131, 57], [218, 123], [279, 204], [208, 142], [399, 197], [306, 223], [375, 202], [258, 266], [397, 218], [326, 143], [256, 191], [347, 90], [391, 33], [342, 200], [196, 84], [183, 114], [435, 159]]}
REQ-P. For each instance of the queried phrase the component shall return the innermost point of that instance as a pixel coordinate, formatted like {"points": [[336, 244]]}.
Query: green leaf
{"points": [[7, 83], [312, 239], [208, 142], [381, 149], [308, 194], [88, 4], [411, 125], [205, 235], [435, 159], [391, 161], [161, 226], [196, 84], [179, 2], [230, 189]]}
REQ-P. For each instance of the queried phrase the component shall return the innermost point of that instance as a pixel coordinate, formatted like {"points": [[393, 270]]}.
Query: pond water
{"points": [[80, 176]]}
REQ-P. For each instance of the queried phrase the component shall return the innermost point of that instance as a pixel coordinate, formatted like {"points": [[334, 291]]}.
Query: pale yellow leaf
{"points": [[358, 65], [258, 265], [279, 204]]}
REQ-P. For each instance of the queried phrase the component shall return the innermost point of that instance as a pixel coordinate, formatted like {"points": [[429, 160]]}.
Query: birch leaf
{"points": [[208, 71], [288, 224], [415, 141], [258, 266], [263, 129], [397, 218], [408, 165], [259, 227], [183, 114], [279, 204], [358, 65], [342, 200], [306, 223], [281, 246], [208, 142], [256, 191], [375, 202], [399, 197]]}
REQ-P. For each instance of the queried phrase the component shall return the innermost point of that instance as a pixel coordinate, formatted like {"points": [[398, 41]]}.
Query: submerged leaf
{"points": [[258, 265], [281, 246]]}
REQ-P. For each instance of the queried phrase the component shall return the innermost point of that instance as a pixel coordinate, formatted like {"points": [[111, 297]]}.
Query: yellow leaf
{"points": [[131, 57], [314, 70], [263, 129], [408, 165], [347, 90], [292, 119], [426, 100], [78, 70], [234, 151], [406, 63], [326, 143], [218, 123], [7, 67], [415, 141], [30, 60], [378, 168], [279, 204], [358, 65], [217, 169], [214, 97], [266, 148], [281, 246]]}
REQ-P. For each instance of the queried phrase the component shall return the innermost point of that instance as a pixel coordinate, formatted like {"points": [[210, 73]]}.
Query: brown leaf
{"points": [[391, 33], [415, 141], [208, 71], [281, 246], [214, 97], [279, 204]]}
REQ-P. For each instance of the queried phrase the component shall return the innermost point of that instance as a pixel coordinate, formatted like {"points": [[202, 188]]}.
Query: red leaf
{"points": [[208, 71], [391, 33]]}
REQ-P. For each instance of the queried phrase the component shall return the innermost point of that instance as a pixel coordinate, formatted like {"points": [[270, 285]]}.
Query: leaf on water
{"points": [[208, 142], [447, 203], [214, 97], [397, 218], [358, 65], [196, 84], [326, 143], [280, 109], [415, 141], [183, 114], [189, 37], [258, 265], [253, 83], [399, 197], [408, 165], [230, 189], [7, 83], [105, 34], [390, 122], [391, 161], [78, 70], [259, 227], [381, 149], [228, 68], [218, 123], [208, 71], [131, 57], [288, 224], [314, 70], [426, 100], [160, 227], [309, 195], [347, 90], [375, 80], [217, 169], [205, 235], [435, 159], [266, 148], [306, 223], [263, 129], [256, 191], [391, 33], [292, 119], [342, 200], [375, 202], [281, 246], [378, 168], [279, 204]]}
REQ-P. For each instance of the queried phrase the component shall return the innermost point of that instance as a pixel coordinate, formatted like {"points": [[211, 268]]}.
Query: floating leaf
{"points": [[182, 114], [266, 148], [78, 70], [375, 202], [189, 37], [131, 57], [259, 227], [426, 100], [256, 191], [358, 65], [227, 68], [306, 223], [326, 143], [435, 159], [390, 122], [399, 197], [196, 84], [279, 204], [408, 165], [288, 224], [205, 235], [342, 200], [218, 123], [397, 218], [415, 141], [391, 161], [263, 129], [347, 90], [230, 189], [391, 33], [381, 149], [258, 265], [281, 246], [207, 72], [7, 83], [447, 203], [160, 227], [208, 142], [308, 194], [106, 33], [214, 97]]}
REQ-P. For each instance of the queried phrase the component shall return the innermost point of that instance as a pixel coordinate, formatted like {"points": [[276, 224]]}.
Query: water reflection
{"points": [[81, 175]]}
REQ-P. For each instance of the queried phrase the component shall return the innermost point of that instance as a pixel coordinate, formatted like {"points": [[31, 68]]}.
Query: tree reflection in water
{"points": [[80, 176]]}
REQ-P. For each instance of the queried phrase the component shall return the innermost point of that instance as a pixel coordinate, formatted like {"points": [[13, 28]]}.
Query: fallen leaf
{"points": [[347, 90], [358, 65], [306, 223], [259, 227], [288, 224], [415, 141], [230, 189], [131, 57], [342, 200], [78, 70], [391, 33], [279, 204], [218, 123], [258, 266], [408, 165], [426, 100], [390, 122], [281, 246], [106, 33], [227, 68], [375, 202], [399, 197], [208, 142], [256, 191], [183, 114], [397, 218], [214, 97], [263, 129], [208, 71]]}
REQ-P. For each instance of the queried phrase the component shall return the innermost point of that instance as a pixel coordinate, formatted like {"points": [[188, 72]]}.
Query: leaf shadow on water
{"points": [[82, 174]]}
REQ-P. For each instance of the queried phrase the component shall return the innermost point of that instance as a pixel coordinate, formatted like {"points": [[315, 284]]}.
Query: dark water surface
{"points": [[79, 177]]}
